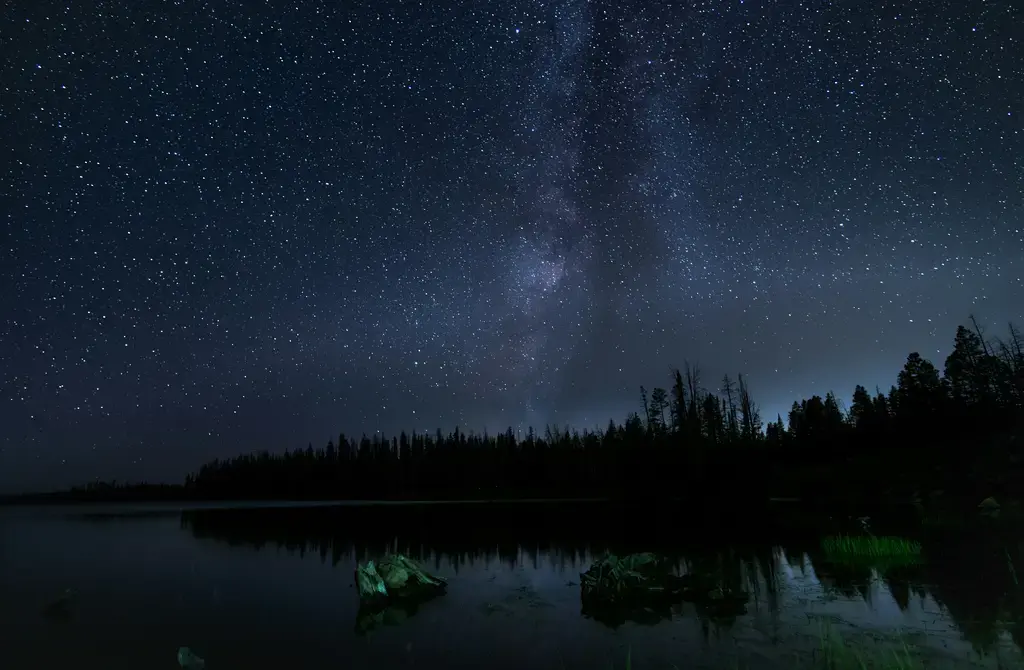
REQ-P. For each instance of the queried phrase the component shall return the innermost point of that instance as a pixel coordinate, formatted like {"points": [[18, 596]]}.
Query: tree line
{"points": [[958, 431]]}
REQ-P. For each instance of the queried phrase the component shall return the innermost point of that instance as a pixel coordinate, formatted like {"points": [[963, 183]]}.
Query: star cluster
{"points": [[247, 225]]}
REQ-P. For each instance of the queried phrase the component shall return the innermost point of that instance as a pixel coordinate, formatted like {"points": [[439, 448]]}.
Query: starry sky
{"points": [[252, 224]]}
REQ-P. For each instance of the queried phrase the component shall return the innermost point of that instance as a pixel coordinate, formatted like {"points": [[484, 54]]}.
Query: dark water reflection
{"points": [[272, 588]]}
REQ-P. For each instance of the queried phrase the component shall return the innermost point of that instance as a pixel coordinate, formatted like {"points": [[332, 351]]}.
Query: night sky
{"points": [[231, 226]]}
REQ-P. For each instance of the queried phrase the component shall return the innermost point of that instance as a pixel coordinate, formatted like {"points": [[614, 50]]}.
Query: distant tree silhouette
{"points": [[967, 370], [863, 414], [919, 390], [659, 403], [960, 431]]}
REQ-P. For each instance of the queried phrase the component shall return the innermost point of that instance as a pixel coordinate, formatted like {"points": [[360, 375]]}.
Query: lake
{"points": [[249, 587]]}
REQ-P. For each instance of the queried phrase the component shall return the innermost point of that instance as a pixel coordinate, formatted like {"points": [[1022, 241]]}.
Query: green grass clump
{"points": [[836, 654], [870, 546]]}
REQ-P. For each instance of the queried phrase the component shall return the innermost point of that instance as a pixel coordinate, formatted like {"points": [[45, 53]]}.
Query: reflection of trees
{"points": [[564, 536], [904, 583], [464, 534], [849, 580], [967, 575], [566, 532]]}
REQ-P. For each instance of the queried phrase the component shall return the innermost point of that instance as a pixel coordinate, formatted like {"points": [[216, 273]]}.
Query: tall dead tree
{"points": [[647, 408], [729, 389], [751, 418], [693, 416], [678, 409]]}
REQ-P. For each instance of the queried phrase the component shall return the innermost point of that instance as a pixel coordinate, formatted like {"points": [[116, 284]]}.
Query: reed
{"points": [[870, 546]]}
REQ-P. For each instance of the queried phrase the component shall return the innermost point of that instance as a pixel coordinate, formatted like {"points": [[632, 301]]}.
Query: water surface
{"points": [[256, 587]]}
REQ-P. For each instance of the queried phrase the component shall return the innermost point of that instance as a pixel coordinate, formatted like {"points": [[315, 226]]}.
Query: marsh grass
{"points": [[870, 546], [835, 653], [872, 550]]}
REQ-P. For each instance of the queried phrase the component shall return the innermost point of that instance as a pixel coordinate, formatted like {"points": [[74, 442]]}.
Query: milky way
{"points": [[251, 225]]}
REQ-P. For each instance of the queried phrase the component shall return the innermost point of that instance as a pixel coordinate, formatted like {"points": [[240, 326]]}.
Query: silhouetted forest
{"points": [[958, 431], [955, 430]]}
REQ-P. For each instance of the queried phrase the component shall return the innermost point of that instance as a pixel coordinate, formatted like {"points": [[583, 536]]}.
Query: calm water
{"points": [[272, 588]]}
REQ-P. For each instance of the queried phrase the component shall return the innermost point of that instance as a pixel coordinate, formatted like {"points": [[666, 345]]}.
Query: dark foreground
{"points": [[272, 588]]}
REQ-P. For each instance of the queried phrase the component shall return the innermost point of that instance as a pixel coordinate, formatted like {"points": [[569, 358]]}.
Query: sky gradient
{"points": [[233, 226]]}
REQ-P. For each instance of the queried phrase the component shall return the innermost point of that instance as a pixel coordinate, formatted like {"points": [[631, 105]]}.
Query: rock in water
{"points": [[369, 582], [642, 587], [989, 506], [188, 660], [614, 578], [395, 576]]}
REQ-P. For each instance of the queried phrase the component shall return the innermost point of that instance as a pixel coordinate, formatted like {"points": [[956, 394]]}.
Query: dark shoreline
{"points": [[66, 498]]}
